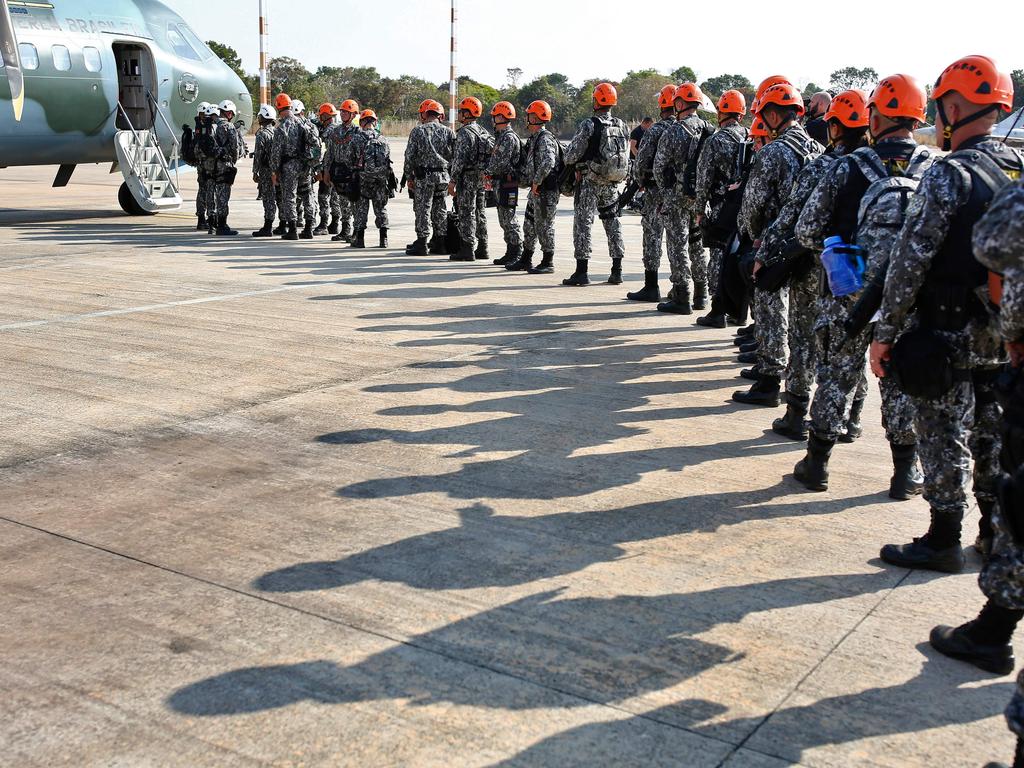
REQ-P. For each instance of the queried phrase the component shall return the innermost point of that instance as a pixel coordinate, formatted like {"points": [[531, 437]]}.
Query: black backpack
{"points": [[188, 145]]}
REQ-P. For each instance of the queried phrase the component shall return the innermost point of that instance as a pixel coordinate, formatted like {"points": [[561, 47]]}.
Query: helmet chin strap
{"points": [[949, 129], [887, 132]]}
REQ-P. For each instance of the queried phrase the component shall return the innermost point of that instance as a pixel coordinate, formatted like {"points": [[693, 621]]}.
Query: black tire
{"points": [[128, 203]]}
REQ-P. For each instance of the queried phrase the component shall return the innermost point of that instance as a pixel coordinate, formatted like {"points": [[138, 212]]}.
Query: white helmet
{"points": [[267, 112], [201, 109], [228, 106], [298, 107], [211, 110]]}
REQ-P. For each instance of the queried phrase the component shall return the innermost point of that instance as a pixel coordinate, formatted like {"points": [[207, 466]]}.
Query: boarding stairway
{"points": [[145, 167]]}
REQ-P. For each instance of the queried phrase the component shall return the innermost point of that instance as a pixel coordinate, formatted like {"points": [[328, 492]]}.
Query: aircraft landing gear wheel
{"points": [[128, 203]]}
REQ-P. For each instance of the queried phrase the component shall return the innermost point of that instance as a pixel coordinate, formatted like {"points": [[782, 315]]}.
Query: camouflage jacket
{"points": [[772, 173], [289, 140], [717, 165], [339, 138], [371, 155], [541, 156], [429, 153], [999, 246], [264, 146], [648, 149], [472, 145], [227, 138], [505, 156], [673, 153], [944, 190]]}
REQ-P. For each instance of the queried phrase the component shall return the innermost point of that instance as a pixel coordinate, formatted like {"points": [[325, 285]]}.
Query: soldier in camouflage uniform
{"points": [[540, 171], [601, 158], [428, 158], [262, 173], [339, 156], [717, 169], [502, 169], [291, 169], [896, 108], [653, 227], [473, 145], [328, 199], [202, 179], [932, 270], [677, 155], [371, 159], [848, 130], [304, 211], [772, 174], [206, 159], [227, 141]]}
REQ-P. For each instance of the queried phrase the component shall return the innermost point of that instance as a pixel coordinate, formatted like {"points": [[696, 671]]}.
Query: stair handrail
{"points": [[138, 139], [175, 144]]}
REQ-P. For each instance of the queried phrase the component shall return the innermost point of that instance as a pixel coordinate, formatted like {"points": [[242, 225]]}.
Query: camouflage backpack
{"points": [[607, 156], [883, 208], [375, 161], [312, 146], [484, 146]]}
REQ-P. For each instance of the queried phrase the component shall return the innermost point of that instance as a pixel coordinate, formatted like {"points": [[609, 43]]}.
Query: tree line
{"points": [[398, 98]]}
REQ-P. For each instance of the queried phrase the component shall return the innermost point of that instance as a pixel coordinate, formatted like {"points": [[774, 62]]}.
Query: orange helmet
{"points": [[768, 82], [605, 95], [541, 109], [667, 97], [759, 129], [504, 109], [978, 79], [900, 96], [327, 109], [350, 106], [430, 105], [850, 108], [689, 92], [367, 114], [283, 101], [732, 103], [782, 95], [472, 105]]}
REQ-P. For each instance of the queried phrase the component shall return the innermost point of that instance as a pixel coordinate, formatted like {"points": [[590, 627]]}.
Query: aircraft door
{"points": [[136, 75]]}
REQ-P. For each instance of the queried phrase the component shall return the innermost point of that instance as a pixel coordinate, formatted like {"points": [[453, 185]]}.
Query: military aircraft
{"points": [[106, 81]]}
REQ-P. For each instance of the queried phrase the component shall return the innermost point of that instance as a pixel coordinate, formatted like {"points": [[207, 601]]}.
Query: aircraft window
{"points": [[180, 44], [193, 39], [29, 56], [61, 58], [93, 62]]}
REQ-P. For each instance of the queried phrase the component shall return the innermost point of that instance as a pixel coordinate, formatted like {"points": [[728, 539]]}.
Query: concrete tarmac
{"points": [[291, 504]]}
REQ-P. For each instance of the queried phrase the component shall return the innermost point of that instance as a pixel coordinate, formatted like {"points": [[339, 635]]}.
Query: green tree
{"points": [[228, 55], [557, 91], [683, 75], [810, 89], [853, 77], [638, 94], [515, 75], [470, 87], [716, 86]]}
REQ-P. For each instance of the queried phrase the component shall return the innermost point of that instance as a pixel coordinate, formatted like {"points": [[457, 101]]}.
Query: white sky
{"points": [[597, 38]]}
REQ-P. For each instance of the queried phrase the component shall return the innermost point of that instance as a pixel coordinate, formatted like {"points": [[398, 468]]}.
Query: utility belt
{"points": [[948, 306], [421, 171], [226, 175], [341, 176]]}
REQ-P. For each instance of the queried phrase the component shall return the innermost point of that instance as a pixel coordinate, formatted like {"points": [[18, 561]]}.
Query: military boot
{"points": [[465, 253], [745, 334], [290, 231], [546, 266], [359, 241], [418, 248], [281, 228], [383, 237], [747, 358], [481, 251], [267, 231], [958, 643], [347, 231], [712, 320], [765, 391], [679, 304], [579, 278], [523, 264], [750, 346], [792, 425], [700, 295], [751, 374], [615, 278], [332, 228], [907, 480], [985, 532], [937, 550], [511, 255], [321, 228], [854, 429], [437, 246], [812, 470], [651, 292], [223, 230], [201, 224], [307, 231]]}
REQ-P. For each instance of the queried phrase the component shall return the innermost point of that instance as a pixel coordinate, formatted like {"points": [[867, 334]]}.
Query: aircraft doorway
{"points": [[136, 75]]}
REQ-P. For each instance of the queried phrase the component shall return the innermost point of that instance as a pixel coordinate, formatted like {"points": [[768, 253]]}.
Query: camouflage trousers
{"points": [[685, 245], [296, 191], [471, 208], [654, 229], [771, 313], [378, 195], [267, 196], [715, 258], [222, 195], [803, 341], [328, 199], [539, 223], [306, 205], [961, 425], [203, 194], [429, 206], [510, 227], [601, 200]]}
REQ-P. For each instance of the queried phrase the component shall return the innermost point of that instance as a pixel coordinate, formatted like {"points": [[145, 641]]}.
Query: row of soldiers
{"points": [[871, 243], [213, 147]]}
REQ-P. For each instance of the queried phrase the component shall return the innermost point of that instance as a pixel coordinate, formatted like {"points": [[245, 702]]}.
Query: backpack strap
{"points": [[915, 168], [869, 163], [981, 167], [802, 153]]}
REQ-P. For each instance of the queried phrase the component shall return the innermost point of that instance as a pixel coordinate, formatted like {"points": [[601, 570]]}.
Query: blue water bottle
{"points": [[844, 267]]}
